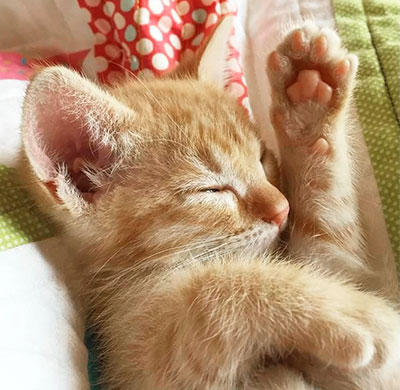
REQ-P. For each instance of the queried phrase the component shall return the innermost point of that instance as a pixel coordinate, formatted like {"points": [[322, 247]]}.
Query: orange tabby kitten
{"points": [[171, 202]]}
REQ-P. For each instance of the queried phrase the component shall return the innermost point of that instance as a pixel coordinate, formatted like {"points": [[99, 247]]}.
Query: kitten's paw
{"points": [[311, 76], [384, 324], [370, 336]]}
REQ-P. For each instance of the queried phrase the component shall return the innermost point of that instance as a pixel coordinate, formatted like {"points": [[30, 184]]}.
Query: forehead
{"points": [[221, 138], [187, 106], [193, 117]]}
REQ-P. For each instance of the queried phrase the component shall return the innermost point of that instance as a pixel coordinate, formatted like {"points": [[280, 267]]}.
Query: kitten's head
{"points": [[149, 168]]}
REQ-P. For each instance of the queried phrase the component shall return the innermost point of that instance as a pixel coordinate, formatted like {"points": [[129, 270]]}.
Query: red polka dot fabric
{"points": [[143, 37], [14, 66], [149, 37]]}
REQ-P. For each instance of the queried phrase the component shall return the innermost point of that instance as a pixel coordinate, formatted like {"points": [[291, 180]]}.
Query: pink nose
{"points": [[280, 217]]}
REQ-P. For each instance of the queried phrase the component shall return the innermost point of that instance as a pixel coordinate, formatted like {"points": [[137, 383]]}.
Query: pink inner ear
{"points": [[58, 137]]}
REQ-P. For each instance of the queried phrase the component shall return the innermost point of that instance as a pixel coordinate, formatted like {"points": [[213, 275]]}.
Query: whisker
{"points": [[147, 263]]}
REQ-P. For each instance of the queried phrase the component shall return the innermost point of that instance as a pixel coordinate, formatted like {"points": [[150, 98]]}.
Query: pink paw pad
{"points": [[320, 46], [342, 68], [309, 86], [275, 62]]}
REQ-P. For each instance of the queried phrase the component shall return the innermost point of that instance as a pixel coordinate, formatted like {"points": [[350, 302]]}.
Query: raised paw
{"points": [[311, 78]]}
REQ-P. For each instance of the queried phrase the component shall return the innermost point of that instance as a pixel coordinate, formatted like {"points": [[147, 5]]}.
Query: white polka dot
{"points": [[156, 6], [109, 8], [156, 33], [101, 64], [207, 2], [100, 38], [165, 24], [166, 2], [188, 31], [112, 51], [169, 50], [218, 8], [176, 17], [103, 25], [183, 7], [142, 16], [211, 19], [146, 74], [92, 3], [119, 21], [160, 61], [144, 46], [175, 41], [236, 89], [196, 41], [87, 15]]}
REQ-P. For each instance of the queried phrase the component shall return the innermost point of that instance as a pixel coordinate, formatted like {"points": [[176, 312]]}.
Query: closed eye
{"points": [[224, 196], [211, 190], [224, 189]]}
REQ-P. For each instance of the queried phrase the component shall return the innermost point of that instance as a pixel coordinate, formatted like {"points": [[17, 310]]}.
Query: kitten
{"points": [[171, 202]]}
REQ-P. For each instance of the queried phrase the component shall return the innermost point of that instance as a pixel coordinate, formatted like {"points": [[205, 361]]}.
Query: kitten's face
{"points": [[201, 177], [146, 169], [185, 173]]}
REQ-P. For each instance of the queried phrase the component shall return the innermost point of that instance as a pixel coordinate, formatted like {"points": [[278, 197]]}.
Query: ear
{"points": [[213, 62], [210, 62], [70, 135]]}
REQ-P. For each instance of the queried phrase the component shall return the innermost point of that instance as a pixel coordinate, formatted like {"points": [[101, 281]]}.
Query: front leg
{"points": [[210, 327], [312, 79]]}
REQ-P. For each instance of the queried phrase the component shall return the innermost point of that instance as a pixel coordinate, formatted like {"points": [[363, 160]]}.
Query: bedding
{"points": [[105, 40], [371, 29]]}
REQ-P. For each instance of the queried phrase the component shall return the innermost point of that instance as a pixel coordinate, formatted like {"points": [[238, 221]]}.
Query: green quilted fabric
{"points": [[20, 220], [370, 28]]}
